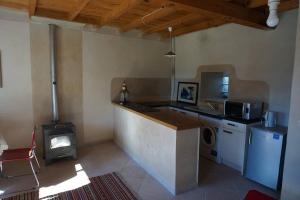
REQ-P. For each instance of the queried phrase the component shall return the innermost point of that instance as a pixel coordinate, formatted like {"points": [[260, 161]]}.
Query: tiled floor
{"points": [[218, 182]]}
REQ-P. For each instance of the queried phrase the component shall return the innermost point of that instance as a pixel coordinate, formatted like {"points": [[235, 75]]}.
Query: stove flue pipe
{"points": [[273, 19], [52, 41]]}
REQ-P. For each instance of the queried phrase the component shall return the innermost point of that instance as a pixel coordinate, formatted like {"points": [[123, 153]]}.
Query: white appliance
{"points": [[265, 157], [209, 138], [270, 119]]}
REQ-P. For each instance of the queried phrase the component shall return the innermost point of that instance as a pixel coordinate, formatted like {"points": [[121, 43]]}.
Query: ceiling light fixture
{"points": [[171, 53]]}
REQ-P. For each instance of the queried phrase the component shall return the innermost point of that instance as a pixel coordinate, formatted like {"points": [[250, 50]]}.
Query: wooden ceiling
{"points": [[153, 16]]}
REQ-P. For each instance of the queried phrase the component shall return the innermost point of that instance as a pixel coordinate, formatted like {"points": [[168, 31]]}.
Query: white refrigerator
{"points": [[265, 155]]}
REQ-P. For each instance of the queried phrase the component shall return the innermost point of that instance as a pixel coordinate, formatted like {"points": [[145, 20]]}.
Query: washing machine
{"points": [[209, 138]]}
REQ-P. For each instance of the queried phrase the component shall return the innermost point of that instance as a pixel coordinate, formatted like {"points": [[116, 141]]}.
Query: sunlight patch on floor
{"points": [[77, 181]]}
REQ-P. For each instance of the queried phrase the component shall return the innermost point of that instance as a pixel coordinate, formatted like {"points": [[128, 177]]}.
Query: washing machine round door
{"points": [[208, 137]]}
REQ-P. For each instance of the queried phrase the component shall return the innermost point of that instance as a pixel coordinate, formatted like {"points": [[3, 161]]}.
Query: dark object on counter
{"points": [[265, 155], [59, 141], [243, 109], [124, 94]]}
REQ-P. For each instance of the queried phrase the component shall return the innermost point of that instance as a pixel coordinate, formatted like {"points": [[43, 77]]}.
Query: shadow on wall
{"points": [[142, 89], [238, 89]]}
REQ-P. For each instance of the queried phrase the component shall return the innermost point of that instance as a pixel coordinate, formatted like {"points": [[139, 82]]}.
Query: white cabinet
{"points": [[234, 126], [232, 148], [232, 145]]}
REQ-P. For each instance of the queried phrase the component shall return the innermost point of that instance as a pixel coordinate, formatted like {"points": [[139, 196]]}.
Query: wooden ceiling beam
{"points": [[89, 20], [288, 5], [32, 7], [255, 3], [196, 27], [229, 11], [172, 23], [73, 14], [161, 12], [14, 5], [43, 12], [123, 8]]}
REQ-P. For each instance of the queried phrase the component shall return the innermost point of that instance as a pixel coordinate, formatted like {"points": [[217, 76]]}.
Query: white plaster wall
{"points": [[169, 155], [16, 114], [87, 63], [106, 57], [187, 159], [256, 54], [149, 143], [69, 77], [291, 174]]}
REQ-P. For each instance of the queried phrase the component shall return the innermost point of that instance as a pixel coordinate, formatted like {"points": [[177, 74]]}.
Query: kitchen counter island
{"points": [[170, 118], [164, 142]]}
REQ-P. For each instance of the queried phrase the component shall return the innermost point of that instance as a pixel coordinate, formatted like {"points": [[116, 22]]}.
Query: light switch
{"points": [[298, 123]]}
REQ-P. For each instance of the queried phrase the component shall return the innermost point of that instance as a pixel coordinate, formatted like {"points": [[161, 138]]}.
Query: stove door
{"points": [[60, 141]]}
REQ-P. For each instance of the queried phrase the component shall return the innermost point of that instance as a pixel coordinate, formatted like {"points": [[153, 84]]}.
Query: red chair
{"points": [[22, 154]]}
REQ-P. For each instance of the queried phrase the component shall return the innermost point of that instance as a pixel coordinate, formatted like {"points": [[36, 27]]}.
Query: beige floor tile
{"points": [[217, 181]]}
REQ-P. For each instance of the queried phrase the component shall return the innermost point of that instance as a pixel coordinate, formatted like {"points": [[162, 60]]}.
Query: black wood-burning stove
{"points": [[59, 139]]}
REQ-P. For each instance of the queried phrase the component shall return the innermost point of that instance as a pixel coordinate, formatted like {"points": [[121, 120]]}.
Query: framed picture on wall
{"points": [[187, 92]]}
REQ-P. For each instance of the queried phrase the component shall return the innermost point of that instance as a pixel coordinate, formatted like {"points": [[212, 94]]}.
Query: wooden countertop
{"points": [[170, 118]]}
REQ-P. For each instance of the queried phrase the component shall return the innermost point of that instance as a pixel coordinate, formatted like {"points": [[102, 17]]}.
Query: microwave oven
{"points": [[243, 109]]}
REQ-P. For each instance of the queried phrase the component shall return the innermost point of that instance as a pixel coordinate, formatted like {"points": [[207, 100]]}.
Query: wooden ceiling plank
{"points": [[123, 8], [228, 11], [171, 23], [32, 7], [256, 3], [196, 27], [73, 14], [42, 12], [154, 15]]}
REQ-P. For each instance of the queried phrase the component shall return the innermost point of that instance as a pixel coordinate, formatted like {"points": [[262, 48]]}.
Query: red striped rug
{"points": [[105, 187]]}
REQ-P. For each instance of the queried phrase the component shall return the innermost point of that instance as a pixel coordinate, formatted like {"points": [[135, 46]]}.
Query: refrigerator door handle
{"points": [[250, 137]]}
